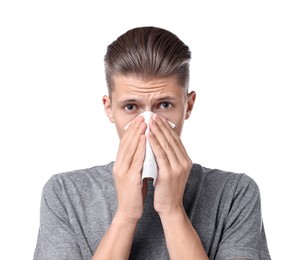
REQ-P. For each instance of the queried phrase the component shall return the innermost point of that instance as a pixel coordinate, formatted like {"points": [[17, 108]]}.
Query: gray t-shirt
{"points": [[224, 207]]}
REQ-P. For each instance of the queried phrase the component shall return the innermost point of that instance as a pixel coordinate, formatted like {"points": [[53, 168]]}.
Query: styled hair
{"points": [[147, 52]]}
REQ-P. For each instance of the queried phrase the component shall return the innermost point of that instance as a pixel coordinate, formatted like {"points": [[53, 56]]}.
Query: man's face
{"points": [[132, 96]]}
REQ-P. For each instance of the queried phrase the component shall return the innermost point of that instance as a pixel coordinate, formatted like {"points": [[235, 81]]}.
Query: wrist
{"points": [[173, 214], [122, 219]]}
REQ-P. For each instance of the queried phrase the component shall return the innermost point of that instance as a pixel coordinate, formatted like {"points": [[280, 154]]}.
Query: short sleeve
{"points": [[243, 234], [56, 239]]}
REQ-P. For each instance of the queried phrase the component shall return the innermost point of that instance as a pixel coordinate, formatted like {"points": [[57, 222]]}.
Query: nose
{"points": [[148, 110]]}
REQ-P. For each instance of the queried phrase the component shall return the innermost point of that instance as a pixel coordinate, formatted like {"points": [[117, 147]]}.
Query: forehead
{"points": [[130, 84]]}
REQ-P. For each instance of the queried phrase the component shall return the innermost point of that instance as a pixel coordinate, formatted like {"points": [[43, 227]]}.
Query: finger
{"points": [[129, 142], [160, 155], [164, 139], [138, 158], [172, 137]]}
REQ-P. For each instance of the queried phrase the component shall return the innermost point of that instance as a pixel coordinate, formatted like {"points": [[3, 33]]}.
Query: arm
{"points": [[181, 238], [174, 167], [243, 235], [56, 238], [117, 241]]}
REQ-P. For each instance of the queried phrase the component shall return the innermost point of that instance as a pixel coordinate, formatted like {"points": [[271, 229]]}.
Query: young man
{"points": [[189, 212]]}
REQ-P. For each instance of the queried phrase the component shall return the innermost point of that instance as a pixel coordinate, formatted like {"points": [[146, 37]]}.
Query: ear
{"points": [[191, 97], [108, 108]]}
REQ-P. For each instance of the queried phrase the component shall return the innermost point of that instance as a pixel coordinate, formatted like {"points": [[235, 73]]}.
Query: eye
{"points": [[165, 105], [130, 107]]}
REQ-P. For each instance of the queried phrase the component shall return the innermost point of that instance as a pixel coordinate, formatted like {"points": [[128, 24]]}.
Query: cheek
{"points": [[121, 124], [178, 121], [178, 129], [176, 115], [119, 130]]}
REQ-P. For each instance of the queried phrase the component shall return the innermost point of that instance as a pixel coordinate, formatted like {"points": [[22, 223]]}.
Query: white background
{"points": [[248, 71]]}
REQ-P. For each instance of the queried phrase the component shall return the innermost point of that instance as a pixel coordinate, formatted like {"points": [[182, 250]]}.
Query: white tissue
{"points": [[150, 168]]}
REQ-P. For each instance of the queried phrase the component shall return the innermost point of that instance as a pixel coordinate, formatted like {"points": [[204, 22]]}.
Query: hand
{"points": [[127, 172], [174, 166]]}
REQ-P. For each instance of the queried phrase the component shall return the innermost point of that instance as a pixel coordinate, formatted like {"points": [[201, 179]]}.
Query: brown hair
{"points": [[147, 52]]}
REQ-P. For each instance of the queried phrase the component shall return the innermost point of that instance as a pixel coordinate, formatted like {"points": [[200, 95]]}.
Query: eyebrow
{"points": [[131, 100], [170, 98]]}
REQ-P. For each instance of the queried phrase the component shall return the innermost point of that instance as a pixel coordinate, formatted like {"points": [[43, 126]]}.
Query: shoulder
{"points": [[221, 180], [80, 180]]}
